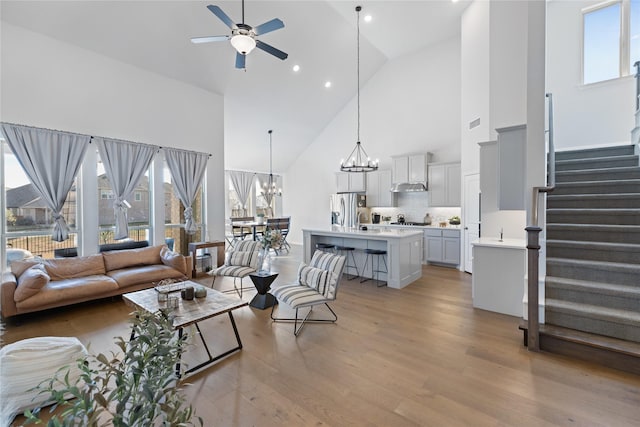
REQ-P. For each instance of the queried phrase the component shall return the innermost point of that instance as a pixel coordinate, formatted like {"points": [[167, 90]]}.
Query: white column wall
{"points": [[51, 84]]}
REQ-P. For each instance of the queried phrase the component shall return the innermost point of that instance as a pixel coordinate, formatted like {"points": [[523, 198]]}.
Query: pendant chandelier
{"points": [[358, 160], [270, 188]]}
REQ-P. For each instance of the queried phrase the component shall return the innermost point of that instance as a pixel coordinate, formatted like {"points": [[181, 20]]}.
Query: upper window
{"points": [[611, 40]]}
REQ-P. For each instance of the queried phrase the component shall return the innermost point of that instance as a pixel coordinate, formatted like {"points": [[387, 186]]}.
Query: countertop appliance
{"points": [[401, 219], [375, 218], [344, 209]]}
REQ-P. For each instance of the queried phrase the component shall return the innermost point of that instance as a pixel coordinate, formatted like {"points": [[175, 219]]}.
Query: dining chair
{"points": [[238, 233]]}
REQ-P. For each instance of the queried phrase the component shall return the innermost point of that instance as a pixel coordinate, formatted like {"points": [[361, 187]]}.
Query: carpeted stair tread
{"points": [[594, 196], [614, 266], [623, 317], [585, 153], [594, 287], [610, 246], [596, 162], [604, 174], [592, 211], [600, 227]]}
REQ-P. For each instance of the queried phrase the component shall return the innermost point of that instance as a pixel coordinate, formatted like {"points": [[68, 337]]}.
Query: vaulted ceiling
{"points": [[319, 36]]}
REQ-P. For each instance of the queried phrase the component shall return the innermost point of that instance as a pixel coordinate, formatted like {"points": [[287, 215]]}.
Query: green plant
{"points": [[261, 215], [137, 387]]}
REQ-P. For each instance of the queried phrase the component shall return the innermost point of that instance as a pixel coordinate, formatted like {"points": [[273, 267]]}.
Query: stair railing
{"points": [[533, 241]]}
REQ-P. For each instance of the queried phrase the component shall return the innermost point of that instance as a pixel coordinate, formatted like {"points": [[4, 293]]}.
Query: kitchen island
{"points": [[404, 250]]}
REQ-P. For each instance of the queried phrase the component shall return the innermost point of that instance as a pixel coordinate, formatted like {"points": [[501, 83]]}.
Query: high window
{"points": [[611, 40]]}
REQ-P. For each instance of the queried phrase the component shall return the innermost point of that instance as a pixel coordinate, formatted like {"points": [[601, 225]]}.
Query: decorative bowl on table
{"points": [[454, 220]]}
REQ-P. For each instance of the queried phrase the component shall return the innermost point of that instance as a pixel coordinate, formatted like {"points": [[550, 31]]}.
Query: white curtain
{"points": [[187, 169], [242, 183], [124, 163], [51, 160]]}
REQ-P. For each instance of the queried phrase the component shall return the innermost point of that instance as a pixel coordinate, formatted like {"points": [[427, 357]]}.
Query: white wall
{"points": [[411, 105], [51, 84], [591, 115]]}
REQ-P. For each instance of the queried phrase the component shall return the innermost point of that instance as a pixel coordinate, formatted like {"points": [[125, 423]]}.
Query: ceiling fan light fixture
{"points": [[243, 43]]}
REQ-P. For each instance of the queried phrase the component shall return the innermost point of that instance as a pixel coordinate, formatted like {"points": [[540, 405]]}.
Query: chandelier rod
{"points": [[358, 9]]}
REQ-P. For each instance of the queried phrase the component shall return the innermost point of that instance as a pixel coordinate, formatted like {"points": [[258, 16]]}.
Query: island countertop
{"points": [[370, 233], [403, 258]]}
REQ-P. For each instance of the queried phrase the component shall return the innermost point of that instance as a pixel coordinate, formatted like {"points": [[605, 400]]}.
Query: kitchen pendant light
{"points": [[358, 160], [269, 188]]}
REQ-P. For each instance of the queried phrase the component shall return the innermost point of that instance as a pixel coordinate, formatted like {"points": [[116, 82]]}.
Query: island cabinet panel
{"points": [[404, 250]]}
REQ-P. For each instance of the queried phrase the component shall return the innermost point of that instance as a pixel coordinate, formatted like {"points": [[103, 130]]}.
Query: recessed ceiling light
{"points": [[296, 68], [327, 84], [368, 18], [454, 1]]}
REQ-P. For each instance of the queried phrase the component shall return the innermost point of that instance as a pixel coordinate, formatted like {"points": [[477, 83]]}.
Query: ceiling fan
{"points": [[243, 36]]}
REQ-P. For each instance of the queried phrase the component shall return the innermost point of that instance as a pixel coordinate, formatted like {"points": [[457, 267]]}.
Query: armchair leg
{"points": [[296, 319]]}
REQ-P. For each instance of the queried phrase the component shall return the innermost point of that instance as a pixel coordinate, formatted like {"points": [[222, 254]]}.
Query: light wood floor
{"points": [[421, 356]]}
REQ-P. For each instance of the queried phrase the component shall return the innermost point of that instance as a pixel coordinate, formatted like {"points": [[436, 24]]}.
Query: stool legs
{"points": [[353, 266], [375, 272]]}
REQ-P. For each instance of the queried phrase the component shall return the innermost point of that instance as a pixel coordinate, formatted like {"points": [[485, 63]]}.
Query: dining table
{"points": [[253, 224]]}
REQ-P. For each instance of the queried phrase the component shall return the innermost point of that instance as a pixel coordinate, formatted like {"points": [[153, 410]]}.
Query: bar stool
{"points": [[346, 251], [375, 274], [326, 247]]}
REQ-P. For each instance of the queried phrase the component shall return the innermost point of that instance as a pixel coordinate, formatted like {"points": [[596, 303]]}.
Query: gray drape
{"points": [[51, 160], [242, 183], [187, 169], [124, 163]]}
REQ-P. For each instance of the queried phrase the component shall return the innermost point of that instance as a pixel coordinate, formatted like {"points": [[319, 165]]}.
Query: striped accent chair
{"points": [[316, 284], [239, 261]]}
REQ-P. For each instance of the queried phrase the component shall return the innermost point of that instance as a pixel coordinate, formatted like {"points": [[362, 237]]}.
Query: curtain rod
{"points": [[103, 137]]}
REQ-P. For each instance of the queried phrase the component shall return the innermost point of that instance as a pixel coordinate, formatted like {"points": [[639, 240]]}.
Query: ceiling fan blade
{"points": [[222, 16], [272, 50], [208, 39], [240, 59], [267, 27]]}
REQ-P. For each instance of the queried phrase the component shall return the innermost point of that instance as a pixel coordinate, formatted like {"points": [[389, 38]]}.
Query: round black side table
{"points": [[262, 282]]}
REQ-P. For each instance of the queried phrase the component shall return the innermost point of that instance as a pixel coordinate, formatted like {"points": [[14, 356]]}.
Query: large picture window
{"points": [[611, 40], [28, 220]]}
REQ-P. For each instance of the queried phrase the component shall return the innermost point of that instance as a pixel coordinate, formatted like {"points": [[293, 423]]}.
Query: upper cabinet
{"points": [[410, 169], [351, 182], [379, 189], [444, 184]]}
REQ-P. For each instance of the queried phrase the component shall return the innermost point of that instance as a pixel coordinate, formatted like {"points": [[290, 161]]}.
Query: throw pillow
{"points": [[321, 280], [173, 260], [19, 267], [239, 258], [30, 282]]}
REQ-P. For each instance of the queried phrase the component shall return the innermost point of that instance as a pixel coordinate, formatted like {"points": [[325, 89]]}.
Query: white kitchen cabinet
{"points": [[442, 246], [411, 168], [444, 184], [351, 182], [378, 189]]}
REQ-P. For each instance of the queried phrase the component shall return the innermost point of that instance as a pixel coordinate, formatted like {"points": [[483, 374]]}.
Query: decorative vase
{"points": [[264, 261]]}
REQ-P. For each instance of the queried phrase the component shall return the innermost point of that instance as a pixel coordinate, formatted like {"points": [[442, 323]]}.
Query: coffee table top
{"points": [[187, 312]]}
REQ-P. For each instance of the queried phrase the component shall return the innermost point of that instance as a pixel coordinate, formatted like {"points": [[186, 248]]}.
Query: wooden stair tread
{"points": [[629, 348]]}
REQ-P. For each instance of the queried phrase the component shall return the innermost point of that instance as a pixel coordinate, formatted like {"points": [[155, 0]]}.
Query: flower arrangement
{"points": [[271, 239]]}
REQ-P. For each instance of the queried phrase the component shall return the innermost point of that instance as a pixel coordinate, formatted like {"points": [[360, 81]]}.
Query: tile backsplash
{"points": [[414, 206]]}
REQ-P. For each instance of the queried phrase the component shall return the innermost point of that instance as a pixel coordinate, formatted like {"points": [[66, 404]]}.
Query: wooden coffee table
{"points": [[190, 313]]}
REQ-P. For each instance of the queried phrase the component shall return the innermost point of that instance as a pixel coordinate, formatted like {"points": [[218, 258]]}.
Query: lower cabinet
{"points": [[442, 246]]}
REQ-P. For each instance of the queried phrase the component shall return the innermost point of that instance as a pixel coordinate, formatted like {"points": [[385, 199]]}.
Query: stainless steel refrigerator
{"points": [[344, 209]]}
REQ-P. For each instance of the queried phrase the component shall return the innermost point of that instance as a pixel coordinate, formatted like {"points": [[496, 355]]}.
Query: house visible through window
{"points": [[611, 40]]}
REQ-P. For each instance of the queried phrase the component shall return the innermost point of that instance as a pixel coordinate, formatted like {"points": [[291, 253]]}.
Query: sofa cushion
{"points": [[116, 260], [71, 268], [241, 258], [144, 274], [30, 282], [76, 289], [173, 260], [19, 267]]}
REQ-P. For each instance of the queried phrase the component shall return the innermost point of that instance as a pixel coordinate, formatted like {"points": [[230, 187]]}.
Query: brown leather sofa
{"points": [[40, 284]]}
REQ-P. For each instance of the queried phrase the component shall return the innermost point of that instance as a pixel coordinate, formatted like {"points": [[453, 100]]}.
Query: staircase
{"points": [[593, 243]]}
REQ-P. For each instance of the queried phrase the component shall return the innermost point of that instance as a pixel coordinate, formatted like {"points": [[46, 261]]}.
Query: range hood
{"points": [[406, 187]]}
